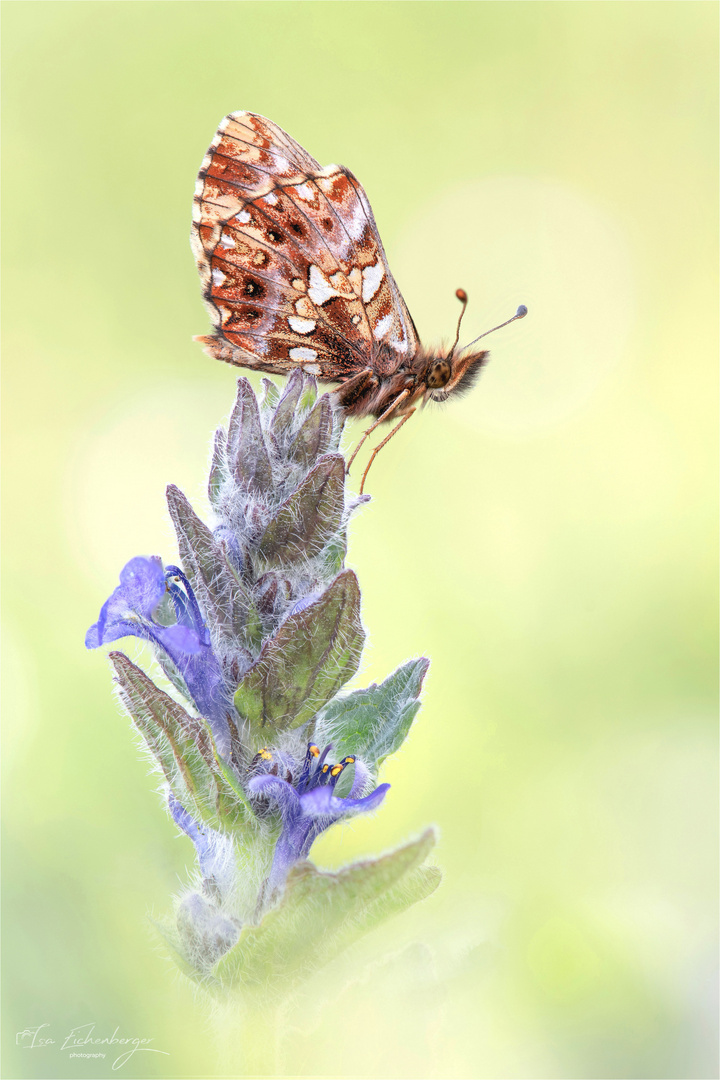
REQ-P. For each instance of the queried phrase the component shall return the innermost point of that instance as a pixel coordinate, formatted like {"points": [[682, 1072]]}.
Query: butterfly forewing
{"points": [[292, 266], [391, 321]]}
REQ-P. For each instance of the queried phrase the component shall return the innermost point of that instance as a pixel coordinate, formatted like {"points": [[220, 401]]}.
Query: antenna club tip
{"points": [[521, 312], [462, 296]]}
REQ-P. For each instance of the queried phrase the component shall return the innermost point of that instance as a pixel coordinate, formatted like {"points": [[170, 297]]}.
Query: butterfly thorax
{"points": [[431, 375]]}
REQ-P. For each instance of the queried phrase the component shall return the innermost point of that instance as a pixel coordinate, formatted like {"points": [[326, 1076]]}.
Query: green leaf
{"points": [[309, 519], [417, 885], [321, 913], [338, 426], [308, 397], [204, 930], [311, 656], [224, 600], [184, 748], [373, 723], [246, 449], [286, 412], [218, 467], [271, 396], [334, 552], [313, 438], [244, 608]]}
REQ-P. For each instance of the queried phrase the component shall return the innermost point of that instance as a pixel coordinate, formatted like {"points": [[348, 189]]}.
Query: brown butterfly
{"points": [[294, 275]]}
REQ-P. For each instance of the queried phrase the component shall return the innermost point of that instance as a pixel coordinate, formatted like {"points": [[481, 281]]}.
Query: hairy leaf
{"points": [[323, 912], [313, 438], [221, 596], [309, 518], [373, 723], [183, 747], [246, 450], [218, 467], [311, 656], [308, 397], [287, 408]]}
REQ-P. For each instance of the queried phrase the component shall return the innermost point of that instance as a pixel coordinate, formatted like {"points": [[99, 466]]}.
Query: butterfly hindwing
{"points": [[291, 262]]}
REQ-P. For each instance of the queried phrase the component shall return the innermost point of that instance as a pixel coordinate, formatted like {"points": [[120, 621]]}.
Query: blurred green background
{"points": [[549, 541]]}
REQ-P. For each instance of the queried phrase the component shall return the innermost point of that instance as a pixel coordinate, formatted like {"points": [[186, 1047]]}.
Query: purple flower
{"points": [[307, 804], [135, 609], [214, 850], [206, 928]]}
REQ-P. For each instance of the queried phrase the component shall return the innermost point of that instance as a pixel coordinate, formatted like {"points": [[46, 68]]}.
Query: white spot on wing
{"points": [[356, 225], [227, 241], [305, 192], [300, 353], [399, 342], [372, 276], [380, 329], [217, 276], [355, 279], [301, 326], [243, 217], [271, 198], [320, 288]]}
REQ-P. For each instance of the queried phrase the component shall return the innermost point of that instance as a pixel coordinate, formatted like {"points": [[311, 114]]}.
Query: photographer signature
{"points": [[82, 1041]]}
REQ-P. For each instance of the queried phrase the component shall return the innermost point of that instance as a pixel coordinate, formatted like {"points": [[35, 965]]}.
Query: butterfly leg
{"points": [[350, 393], [383, 416], [379, 447]]}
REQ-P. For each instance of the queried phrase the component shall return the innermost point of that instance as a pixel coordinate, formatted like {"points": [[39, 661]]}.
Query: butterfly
{"points": [[294, 275]]}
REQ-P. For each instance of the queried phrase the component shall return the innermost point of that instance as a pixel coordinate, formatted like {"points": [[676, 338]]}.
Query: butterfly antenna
{"points": [[519, 314], [463, 298]]}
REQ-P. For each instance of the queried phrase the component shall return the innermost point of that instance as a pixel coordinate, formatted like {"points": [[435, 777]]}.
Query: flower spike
{"points": [[258, 627]]}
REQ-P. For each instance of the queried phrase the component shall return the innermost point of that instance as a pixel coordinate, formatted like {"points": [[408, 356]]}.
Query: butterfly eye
{"points": [[439, 374]]}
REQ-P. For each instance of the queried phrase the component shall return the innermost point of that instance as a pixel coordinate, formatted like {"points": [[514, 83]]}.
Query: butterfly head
{"points": [[455, 373], [439, 373], [458, 371]]}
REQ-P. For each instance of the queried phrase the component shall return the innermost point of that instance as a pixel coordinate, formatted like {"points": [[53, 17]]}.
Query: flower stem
{"points": [[249, 1034]]}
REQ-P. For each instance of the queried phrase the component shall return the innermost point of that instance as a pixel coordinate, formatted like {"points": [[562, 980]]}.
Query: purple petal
{"points": [[212, 847], [322, 803], [116, 620], [142, 582], [186, 606], [177, 638], [283, 793], [114, 624], [100, 633], [141, 588], [360, 779], [301, 604], [128, 613]]}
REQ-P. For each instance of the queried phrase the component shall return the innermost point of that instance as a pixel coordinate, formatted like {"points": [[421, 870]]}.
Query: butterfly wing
{"points": [[292, 267]]}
